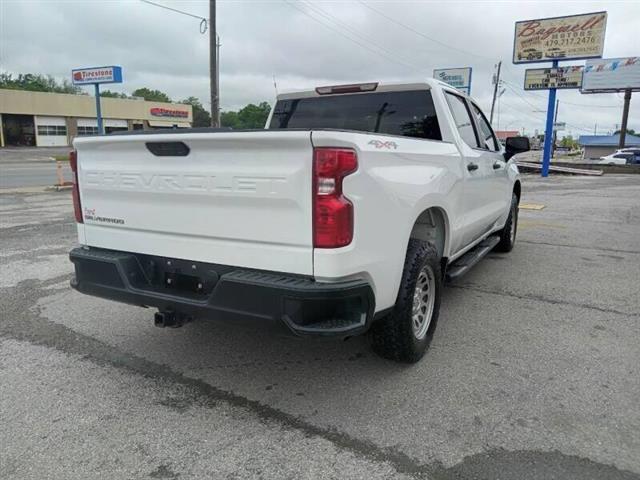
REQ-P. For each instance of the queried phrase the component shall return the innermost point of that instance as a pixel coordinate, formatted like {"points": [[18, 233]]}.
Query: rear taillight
{"points": [[332, 211], [75, 192]]}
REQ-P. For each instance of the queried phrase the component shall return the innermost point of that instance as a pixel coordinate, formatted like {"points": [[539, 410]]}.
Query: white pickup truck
{"points": [[344, 215]]}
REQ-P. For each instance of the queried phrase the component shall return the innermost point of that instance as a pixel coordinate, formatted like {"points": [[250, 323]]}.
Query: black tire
{"points": [[508, 233], [393, 337]]}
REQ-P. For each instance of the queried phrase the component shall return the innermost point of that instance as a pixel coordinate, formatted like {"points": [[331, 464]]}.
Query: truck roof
{"points": [[427, 84]]}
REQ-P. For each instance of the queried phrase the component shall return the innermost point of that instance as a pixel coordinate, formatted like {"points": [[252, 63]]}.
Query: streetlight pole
{"points": [[213, 65]]}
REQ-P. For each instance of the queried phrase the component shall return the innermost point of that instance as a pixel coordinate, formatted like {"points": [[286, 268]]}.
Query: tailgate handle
{"points": [[168, 149]]}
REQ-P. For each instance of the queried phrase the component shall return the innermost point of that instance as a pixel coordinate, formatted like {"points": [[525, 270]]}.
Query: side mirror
{"points": [[515, 145]]}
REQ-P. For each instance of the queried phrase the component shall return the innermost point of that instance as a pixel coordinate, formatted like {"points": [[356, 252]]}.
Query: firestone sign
{"points": [[90, 76], [560, 38], [167, 112]]}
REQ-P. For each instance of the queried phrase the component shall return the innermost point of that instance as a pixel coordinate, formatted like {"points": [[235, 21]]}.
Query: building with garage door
{"points": [[55, 119]]}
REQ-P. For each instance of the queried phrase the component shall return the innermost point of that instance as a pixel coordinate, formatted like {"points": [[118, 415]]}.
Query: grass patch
{"points": [[61, 158]]}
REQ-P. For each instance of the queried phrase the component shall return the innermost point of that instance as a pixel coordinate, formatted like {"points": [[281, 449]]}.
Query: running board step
{"points": [[463, 264]]}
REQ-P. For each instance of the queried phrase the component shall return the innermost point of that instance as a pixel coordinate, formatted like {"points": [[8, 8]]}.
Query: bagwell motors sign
{"points": [[169, 112], [459, 78], [89, 76], [560, 38]]}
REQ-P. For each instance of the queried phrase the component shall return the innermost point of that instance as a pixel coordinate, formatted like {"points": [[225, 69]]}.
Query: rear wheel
{"points": [[508, 233], [405, 334]]}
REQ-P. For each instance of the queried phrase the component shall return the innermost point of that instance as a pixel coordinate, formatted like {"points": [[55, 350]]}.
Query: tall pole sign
{"points": [[95, 76], [573, 37]]}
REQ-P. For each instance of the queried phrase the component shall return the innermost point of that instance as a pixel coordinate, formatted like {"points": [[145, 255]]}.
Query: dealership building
{"points": [[55, 119]]}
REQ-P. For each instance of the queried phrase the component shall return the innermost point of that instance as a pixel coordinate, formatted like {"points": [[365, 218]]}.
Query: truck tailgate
{"points": [[236, 198]]}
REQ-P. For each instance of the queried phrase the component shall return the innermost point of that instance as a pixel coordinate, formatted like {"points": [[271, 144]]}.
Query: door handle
{"points": [[497, 165], [472, 166]]}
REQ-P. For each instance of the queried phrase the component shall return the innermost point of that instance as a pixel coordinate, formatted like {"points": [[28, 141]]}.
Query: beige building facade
{"points": [[55, 119]]}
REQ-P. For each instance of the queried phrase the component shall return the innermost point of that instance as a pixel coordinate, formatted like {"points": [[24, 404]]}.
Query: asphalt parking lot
{"points": [[31, 166], [534, 371]]}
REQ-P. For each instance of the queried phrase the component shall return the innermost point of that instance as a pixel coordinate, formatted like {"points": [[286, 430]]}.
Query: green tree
{"points": [[568, 142], [110, 94], [229, 119], [248, 117], [201, 118], [151, 95], [36, 82], [630, 131]]}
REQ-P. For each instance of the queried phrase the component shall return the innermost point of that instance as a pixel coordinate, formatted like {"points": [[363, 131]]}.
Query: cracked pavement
{"points": [[533, 372]]}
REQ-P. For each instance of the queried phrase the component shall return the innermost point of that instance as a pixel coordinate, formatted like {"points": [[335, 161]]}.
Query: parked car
{"points": [[625, 156], [345, 215]]}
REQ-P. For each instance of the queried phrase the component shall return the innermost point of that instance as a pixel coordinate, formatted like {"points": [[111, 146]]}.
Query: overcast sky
{"points": [[309, 43]]}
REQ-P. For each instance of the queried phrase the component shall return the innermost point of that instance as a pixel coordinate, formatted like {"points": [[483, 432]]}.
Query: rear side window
{"points": [[409, 113], [462, 117]]}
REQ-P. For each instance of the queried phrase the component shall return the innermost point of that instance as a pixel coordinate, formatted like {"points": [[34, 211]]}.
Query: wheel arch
{"points": [[432, 225], [517, 189]]}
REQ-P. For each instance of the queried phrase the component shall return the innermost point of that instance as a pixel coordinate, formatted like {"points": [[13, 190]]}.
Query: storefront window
{"points": [[52, 130]]}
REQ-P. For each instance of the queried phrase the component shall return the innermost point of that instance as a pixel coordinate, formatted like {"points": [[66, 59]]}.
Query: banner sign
{"points": [[459, 78], [90, 76], [560, 38], [545, 78], [611, 75], [166, 112]]}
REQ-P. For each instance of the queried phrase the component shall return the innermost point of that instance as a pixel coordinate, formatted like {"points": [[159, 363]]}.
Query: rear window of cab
{"points": [[407, 113]]}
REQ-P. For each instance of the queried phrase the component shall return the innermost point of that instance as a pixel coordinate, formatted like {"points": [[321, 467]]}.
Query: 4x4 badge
{"points": [[380, 144]]}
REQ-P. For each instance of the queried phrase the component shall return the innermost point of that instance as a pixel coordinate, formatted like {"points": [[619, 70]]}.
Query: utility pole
{"points": [[213, 64], [495, 92], [218, 79], [625, 117]]}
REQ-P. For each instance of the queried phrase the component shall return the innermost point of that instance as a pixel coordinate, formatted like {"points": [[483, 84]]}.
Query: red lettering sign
{"points": [[165, 112]]}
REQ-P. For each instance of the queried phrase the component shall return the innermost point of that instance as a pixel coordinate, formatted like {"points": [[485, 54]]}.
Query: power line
{"points": [[204, 22], [336, 21], [541, 118], [539, 95], [413, 30], [340, 32], [174, 10]]}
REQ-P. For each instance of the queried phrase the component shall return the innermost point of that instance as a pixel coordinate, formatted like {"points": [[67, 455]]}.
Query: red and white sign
{"points": [[168, 112], [88, 76]]}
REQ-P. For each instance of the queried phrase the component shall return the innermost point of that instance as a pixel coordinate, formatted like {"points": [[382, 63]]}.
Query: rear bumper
{"points": [[197, 289]]}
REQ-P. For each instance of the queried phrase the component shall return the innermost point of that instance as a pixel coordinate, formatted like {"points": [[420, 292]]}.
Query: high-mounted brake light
{"points": [[353, 88], [75, 192], [332, 211]]}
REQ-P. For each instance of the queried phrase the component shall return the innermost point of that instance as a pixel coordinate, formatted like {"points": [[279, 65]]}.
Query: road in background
{"points": [[31, 167], [533, 371]]}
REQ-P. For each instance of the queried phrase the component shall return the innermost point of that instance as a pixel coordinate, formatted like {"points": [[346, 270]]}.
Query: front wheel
{"points": [[405, 334], [508, 233]]}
